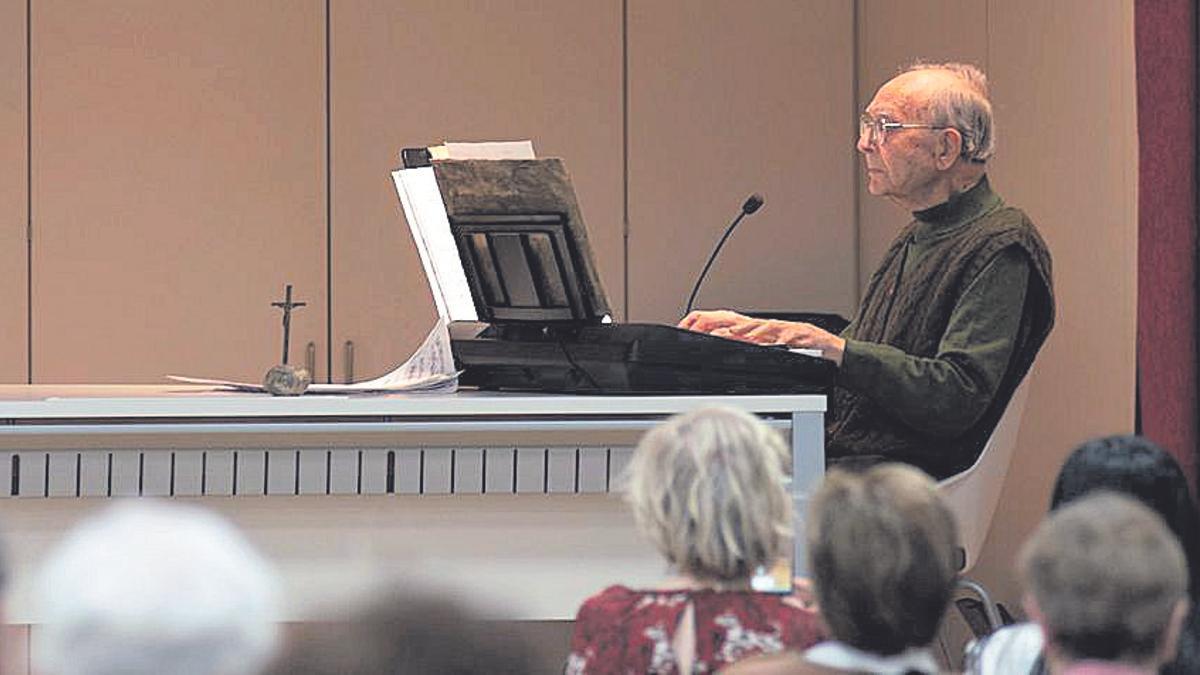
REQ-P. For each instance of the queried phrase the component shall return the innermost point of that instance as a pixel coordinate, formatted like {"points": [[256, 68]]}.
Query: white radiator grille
{"points": [[250, 471]]}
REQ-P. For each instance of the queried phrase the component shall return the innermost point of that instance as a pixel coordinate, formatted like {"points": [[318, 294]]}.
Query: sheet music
{"points": [[430, 369], [431, 362], [426, 216]]}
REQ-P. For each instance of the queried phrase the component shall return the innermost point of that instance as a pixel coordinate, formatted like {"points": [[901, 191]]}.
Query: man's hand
{"points": [[720, 322], [796, 335]]}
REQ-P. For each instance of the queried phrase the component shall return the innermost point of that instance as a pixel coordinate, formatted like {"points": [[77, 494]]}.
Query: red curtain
{"points": [[1167, 283]]}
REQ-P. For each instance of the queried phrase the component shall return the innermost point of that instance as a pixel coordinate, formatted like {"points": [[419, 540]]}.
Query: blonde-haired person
{"points": [[881, 548], [707, 488]]}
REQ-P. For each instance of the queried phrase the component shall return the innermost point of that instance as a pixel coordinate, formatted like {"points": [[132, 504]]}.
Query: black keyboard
{"points": [[628, 359]]}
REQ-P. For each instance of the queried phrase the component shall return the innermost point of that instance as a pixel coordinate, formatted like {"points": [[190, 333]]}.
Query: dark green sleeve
{"points": [[944, 395], [848, 331]]}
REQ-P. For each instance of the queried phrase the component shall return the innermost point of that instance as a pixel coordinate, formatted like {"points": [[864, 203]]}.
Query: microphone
{"points": [[752, 204]]}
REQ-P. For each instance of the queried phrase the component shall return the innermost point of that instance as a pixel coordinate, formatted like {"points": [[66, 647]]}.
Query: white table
{"points": [[505, 496]]}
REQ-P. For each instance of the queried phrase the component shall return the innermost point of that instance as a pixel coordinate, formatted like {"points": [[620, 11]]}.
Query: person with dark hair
{"points": [[1134, 465], [410, 633], [1130, 465]]}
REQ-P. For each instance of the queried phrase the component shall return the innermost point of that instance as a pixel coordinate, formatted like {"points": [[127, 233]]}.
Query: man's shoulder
{"points": [[1008, 218], [1010, 226]]}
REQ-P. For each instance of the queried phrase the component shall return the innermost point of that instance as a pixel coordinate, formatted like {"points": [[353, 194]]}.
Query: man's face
{"points": [[901, 164]]}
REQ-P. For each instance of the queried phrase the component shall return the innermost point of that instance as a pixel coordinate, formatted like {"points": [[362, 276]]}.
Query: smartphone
{"points": [[775, 578]]}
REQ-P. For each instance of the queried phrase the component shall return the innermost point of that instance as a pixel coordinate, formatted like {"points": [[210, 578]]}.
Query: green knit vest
{"points": [[912, 313]]}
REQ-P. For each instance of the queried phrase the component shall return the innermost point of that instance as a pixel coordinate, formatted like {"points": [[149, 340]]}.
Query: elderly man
{"points": [[961, 303], [1107, 582]]}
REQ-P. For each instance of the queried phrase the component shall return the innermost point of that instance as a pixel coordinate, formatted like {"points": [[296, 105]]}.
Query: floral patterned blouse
{"points": [[620, 630]]}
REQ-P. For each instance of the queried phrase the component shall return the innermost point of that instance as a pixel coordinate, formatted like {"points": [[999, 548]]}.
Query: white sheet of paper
{"points": [[426, 215], [490, 150], [430, 226], [430, 369]]}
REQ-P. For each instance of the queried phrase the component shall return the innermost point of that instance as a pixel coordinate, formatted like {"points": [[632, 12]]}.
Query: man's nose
{"points": [[864, 144]]}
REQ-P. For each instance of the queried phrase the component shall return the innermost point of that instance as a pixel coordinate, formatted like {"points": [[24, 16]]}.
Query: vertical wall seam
{"points": [[987, 36], [855, 82], [328, 200], [29, 191], [625, 157]]}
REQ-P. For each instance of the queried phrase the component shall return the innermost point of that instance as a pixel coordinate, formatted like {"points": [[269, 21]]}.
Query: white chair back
{"points": [[973, 494]]}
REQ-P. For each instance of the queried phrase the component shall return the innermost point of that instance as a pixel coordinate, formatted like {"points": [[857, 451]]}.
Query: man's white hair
{"points": [[153, 589], [965, 108]]}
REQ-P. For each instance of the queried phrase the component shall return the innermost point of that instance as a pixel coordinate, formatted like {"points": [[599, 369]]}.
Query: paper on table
{"points": [[426, 216], [430, 369], [431, 365]]}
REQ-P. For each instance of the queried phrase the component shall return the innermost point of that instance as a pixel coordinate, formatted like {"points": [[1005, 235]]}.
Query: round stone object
{"points": [[287, 380]]}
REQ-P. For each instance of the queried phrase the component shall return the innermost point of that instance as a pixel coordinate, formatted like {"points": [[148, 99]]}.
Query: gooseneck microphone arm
{"points": [[752, 204]]}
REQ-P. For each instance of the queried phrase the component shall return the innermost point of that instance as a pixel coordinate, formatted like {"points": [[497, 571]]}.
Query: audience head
{"points": [[408, 633], [1107, 581], [881, 548], [708, 488], [151, 588], [1135, 466]]}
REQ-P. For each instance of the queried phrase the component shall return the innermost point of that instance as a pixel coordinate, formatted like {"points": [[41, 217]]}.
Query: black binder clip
{"points": [[414, 158]]}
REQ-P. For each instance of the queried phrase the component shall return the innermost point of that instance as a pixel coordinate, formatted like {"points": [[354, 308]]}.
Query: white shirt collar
{"points": [[844, 657]]}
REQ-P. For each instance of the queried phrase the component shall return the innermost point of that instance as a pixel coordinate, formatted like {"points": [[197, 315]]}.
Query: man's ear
{"points": [[949, 148], [1030, 605], [1053, 656], [1170, 641]]}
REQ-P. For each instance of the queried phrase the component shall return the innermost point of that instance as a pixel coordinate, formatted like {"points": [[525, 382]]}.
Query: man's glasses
{"points": [[876, 128]]}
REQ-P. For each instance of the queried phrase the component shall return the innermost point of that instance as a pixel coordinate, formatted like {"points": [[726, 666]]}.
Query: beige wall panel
{"points": [[1062, 76], [417, 72], [724, 102], [14, 195], [178, 184], [892, 35]]}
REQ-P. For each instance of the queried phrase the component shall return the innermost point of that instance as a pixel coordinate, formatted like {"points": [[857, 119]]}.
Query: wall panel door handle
{"points": [[348, 353], [310, 360]]}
